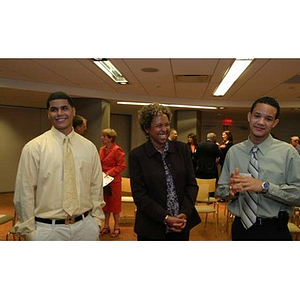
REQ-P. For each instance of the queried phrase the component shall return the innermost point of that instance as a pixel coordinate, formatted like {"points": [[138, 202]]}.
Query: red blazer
{"points": [[113, 161]]}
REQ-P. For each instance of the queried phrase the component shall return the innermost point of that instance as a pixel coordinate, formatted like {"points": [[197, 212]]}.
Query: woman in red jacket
{"points": [[113, 163]]}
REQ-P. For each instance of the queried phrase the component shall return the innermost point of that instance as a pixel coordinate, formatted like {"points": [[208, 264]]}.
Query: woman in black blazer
{"points": [[162, 180]]}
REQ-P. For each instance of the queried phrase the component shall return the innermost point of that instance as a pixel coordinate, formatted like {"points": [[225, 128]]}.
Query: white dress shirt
{"points": [[39, 182]]}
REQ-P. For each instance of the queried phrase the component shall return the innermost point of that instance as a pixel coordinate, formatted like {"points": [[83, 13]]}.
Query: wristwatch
{"points": [[265, 187]]}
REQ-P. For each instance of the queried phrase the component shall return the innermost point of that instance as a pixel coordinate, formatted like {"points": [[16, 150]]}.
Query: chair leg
{"points": [[7, 236], [206, 215], [217, 223], [228, 219]]}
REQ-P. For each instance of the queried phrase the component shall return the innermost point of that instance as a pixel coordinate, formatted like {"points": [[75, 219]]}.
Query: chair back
{"points": [[210, 182], [203, 192], [126, 188], [6, 218]]}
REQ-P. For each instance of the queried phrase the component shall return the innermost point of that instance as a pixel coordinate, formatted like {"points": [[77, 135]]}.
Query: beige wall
{"points": [[97, 112], [17, 127], [122, 125]]}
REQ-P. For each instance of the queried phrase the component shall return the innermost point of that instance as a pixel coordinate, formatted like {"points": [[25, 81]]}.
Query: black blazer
{"points": [[206, 155], [149, 187]]}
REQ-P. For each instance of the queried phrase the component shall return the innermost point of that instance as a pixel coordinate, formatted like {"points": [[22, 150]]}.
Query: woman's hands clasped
{"points": [[176, 223]]}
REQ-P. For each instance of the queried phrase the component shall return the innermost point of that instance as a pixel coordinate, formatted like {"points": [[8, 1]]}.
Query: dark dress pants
{"points": [[271, 231]]}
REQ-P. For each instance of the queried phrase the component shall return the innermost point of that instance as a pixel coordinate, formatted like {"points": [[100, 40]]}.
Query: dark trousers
{"points": [[271, 231], [170, 236]]}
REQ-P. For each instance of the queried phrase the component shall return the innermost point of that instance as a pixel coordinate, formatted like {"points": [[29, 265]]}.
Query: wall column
{"points": [[97, 112], [187, 121]]}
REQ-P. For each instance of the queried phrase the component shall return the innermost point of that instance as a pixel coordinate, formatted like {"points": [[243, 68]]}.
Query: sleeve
{"points": [[222, 190], [120, 164], [97, 189], [25, 187], [191, 187], [289, 192], [139, 187]]}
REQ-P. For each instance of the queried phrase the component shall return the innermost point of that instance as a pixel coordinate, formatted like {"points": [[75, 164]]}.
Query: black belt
{"points": [[263, 221], [67, 221]]}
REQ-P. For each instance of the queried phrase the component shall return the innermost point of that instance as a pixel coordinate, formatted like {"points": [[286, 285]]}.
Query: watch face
{"points": [[265, 186]]}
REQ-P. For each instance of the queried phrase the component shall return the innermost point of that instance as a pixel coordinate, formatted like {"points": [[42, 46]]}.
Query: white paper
{"points": [[106, 179]]}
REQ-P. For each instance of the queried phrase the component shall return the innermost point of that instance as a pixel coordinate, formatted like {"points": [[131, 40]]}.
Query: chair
{"points": [[293, 224], [6, 218], [9, 218], [127, 198], [126, 190], [12, 232], [203, 197], [229, 218], [211, 189], [211, 182]]}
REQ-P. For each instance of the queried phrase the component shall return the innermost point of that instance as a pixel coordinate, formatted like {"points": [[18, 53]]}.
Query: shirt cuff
{"points": [[25, 228]]}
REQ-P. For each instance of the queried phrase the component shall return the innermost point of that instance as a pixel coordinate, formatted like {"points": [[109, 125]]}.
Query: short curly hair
{"points": [[147, 113]]}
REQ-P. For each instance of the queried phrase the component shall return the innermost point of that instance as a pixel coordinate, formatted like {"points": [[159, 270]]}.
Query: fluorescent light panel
{"points": [[236, 70], [109, 69], [170, 105]]}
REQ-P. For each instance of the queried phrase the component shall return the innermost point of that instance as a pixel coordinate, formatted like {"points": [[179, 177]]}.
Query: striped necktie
{"points": [[70, 201], [249, 205]]}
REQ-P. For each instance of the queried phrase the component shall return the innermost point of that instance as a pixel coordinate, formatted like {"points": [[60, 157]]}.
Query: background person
{"points": [[262, 203], [113, 163], [79, 124], [173, 135], [206, 157], [192, 143], [162, 180], [227, 143], [39, 196], [295, 142]]}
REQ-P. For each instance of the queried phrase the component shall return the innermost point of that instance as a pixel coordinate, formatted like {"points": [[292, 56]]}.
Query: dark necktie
{"points": [[249, 205]]}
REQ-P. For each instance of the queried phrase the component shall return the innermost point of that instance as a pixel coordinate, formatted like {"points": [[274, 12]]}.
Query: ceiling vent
{"points": [[192, 78], [149, 70], [295, 79]]}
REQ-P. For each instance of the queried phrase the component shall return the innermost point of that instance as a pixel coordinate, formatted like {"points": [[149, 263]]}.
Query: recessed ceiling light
{"points": [[109, 69], [235, 71], [171, 105]]}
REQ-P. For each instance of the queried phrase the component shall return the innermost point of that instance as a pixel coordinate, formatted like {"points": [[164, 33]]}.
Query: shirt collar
{"points": [[166, 148], [151, 150], [61, 136], [263, 146]]}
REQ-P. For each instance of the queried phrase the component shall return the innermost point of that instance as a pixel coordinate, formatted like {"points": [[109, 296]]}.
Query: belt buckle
{"points": [[69, 220], [259, 221]]}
